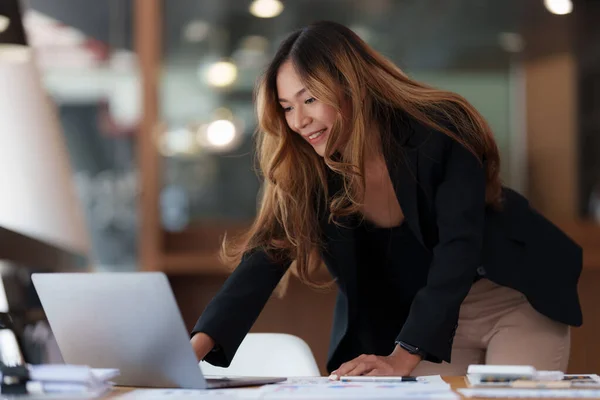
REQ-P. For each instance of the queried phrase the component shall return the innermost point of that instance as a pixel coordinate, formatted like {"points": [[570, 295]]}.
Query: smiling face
{"points": [[305, 115]]}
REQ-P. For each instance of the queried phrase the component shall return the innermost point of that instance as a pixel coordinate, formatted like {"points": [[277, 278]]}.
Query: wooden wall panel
{"points": [[148, 39], [551, 126]]}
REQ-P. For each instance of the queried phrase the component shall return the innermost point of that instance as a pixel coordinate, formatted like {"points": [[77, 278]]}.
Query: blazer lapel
{"points": [[341, 243], [402, 160]]}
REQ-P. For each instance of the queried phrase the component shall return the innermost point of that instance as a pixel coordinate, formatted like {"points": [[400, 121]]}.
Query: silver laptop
{"points": [[128, 321]]}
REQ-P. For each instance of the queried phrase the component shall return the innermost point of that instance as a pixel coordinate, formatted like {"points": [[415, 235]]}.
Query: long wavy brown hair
{"points": [[340, 69]]}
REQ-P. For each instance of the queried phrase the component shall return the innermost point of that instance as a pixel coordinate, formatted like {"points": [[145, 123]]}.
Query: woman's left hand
{"points": [[399, 363]]}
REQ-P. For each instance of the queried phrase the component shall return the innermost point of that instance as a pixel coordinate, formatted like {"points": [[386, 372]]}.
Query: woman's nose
{"points": [[301, 120]]}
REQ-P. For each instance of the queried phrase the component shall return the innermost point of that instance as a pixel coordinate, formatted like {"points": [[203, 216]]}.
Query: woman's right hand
{"points": [[202, 344]]}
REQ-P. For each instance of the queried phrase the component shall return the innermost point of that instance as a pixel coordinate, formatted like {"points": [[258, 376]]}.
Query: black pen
{"points": [[378, 379]]}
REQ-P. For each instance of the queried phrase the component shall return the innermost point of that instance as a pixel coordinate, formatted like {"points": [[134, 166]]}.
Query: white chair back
{"points": [[268, 354]]}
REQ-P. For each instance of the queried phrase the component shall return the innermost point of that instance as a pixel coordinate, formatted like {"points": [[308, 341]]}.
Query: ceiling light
{"points": [[511, 42], [177, 141], [222, 73], [255, 43], [196, 31], [559, 7], [4, 23], [266, 8], [220, 133]]}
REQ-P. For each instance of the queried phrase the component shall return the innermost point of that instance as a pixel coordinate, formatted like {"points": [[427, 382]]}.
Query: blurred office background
{"points": [[155, 103]]}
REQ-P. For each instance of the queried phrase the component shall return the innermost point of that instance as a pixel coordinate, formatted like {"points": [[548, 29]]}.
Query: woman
{"points": [[395, 187]]}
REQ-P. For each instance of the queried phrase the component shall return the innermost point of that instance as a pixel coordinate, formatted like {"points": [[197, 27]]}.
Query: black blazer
{"points": [[441, 189]]}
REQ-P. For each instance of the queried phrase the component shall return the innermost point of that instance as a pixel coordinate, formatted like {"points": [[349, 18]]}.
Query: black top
{"points": [[392, 267]]}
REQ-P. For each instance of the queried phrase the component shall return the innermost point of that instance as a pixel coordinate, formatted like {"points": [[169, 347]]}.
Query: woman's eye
{"points": [[287, 109], [311, 100]]}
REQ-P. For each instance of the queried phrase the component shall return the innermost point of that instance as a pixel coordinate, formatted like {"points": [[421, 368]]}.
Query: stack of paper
{"points": [[498, 375], [507, 381], [538, 380], [73, 379]]}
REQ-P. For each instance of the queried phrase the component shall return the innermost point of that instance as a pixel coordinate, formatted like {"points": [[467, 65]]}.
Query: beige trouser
{"points": [[497, 325]]}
